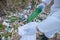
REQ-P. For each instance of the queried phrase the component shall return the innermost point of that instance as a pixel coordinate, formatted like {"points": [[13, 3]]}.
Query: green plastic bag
{"points": [[35, 13]]}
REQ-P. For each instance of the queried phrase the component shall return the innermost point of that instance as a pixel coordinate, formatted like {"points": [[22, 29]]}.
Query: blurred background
{"points": [[14, 13]]}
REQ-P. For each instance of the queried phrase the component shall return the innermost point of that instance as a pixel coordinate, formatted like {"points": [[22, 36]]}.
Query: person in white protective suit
{"points": [[49, 26]]}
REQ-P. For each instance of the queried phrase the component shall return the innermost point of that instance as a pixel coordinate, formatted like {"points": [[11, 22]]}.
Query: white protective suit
{"points": [[28, 31], [49, 26]]}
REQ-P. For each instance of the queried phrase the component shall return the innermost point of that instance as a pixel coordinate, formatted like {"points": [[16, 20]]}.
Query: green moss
{"points": [[16, 26], [13, 19], [1, 27]]}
